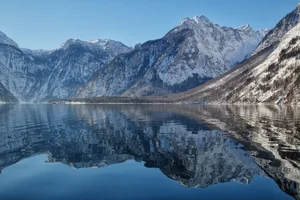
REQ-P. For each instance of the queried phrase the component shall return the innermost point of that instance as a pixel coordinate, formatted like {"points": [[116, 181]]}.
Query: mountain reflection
{"points": [[196, 145]]}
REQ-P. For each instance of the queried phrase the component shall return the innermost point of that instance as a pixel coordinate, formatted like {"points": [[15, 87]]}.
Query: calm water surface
{"points": [[149, 152]]}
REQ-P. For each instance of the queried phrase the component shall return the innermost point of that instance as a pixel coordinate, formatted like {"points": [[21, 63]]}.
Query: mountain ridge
{"points": [[190, 54], [270, 76], [187, 56], [37, 75], [280, 29]]}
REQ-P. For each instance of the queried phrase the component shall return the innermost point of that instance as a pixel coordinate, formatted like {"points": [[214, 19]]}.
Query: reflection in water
{"points": [[198, 146]]}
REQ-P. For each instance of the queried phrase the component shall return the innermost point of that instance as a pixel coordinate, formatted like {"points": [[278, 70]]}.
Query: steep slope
{"points": [[4, 39], [275, 79], [6, 96], [283, 26], [192, 53], [39, 75]]}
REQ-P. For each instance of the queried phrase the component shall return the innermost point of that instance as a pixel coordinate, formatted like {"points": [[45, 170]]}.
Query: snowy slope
{"points": [[192, 53], [277, 79], [219, 48], [6, 40], [283, 26], [272, 76]]}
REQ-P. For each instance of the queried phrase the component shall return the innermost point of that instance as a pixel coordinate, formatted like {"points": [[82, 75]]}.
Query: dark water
{"points": [[149, 152]]}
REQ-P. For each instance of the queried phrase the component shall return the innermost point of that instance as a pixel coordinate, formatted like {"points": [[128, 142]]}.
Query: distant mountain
{"points": [[189, 55], [270, 76], [113, 48], [38, 75]]}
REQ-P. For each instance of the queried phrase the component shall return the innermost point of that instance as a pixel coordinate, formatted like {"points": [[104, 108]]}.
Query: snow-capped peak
{"points": [[6, 40], [221, 41], [99, 41], [70, 42], [201, 18], [279, 31], [249, 31], [195, 20], [263, 32], [104, 44], [184, 20], [244, 27]]}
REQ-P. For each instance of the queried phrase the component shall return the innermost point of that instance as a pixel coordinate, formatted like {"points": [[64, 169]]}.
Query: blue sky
{"points": [[41, 24]]}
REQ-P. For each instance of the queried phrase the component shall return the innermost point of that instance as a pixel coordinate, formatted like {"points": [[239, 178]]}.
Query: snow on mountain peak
{"points": [[104, 44], [201, 18], [69, 42], [244, 27], [184, 20], [195, 20], [99, 41], [4, 39], [203, 24], [250, 32], [279, 31], [209, 37]]}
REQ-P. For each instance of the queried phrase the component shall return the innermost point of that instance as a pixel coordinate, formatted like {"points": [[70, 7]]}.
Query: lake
{"points": [[149, 152]]}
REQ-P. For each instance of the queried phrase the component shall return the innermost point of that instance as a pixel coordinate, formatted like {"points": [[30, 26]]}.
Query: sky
{"points": [[42, 24]]}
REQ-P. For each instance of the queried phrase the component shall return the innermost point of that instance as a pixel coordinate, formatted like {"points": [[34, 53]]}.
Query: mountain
{"points": [[38, 75], [270, 76], [113, 48], [4, 39], [283, 26], [189, 55]]}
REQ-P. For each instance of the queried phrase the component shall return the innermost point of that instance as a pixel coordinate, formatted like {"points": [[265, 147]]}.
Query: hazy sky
{"points": [[45, 24]]}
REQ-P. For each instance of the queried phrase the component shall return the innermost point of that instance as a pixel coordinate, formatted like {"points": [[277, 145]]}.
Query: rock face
{"points": [[34, 76], [270, 76], [192, 53], [277, 79], [283, 26], [6, 96], [6, 40]]}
